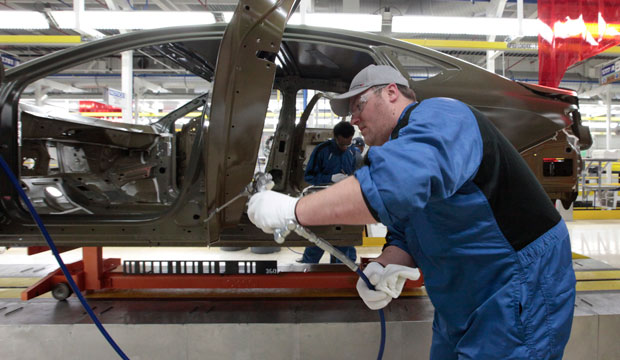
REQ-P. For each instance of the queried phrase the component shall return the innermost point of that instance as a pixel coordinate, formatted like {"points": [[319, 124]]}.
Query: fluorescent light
{"points": [[599, 124], [227, 15], [463, 25], [23, 20], [128, 20], [355, 22]]}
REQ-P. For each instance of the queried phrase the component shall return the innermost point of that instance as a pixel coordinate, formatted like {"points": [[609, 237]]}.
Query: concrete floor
{"points": [[597, 239]]}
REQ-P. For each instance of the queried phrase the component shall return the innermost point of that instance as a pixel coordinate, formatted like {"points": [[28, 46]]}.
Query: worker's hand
{"points": [[339, 177], [374, 299], [270, 210], [388, 282]]}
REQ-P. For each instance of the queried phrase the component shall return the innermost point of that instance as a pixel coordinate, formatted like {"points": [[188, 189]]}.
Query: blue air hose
{"points": [[381, 314], [292, 225], [64, 269]]}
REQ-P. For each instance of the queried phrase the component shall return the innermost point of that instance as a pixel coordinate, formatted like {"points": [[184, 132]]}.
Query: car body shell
{"points": [[147, 185]]}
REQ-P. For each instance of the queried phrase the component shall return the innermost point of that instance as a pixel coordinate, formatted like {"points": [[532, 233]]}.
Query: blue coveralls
{"points": [[494, 252], [326, 160]]}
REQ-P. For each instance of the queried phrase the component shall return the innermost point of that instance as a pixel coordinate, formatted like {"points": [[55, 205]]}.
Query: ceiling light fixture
{"points": [[131, 20], [23, 20], [354, 22], [464, 26]]}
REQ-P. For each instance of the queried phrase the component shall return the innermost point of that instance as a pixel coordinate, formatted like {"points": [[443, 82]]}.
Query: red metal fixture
{"points": [[95, 273]]}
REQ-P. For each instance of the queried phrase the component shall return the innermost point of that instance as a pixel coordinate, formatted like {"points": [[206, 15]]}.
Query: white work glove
{"points": [[270, 210], [388, 282], [339, 177]]}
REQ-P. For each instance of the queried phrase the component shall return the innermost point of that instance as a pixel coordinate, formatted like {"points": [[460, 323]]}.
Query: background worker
{"points": [[330, 162], [459, 202], [358, 145]]}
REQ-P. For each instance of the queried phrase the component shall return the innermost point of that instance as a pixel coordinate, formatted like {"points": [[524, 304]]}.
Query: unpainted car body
{"points": [[149, 185]]}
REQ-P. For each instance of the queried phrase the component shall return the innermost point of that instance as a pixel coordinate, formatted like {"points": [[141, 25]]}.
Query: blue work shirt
{"points": [[494, 252], [326, 160]]}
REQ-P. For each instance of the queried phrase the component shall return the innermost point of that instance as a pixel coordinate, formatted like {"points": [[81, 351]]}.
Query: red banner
{"points": [[571, 31]]}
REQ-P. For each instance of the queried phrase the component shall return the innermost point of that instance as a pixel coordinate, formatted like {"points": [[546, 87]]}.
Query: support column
{"points": [[608, 120], [491, 55], [40, 95], [127, 85], [495, 10], [82, 26], [78, 10], [138, 94], [520, 17], [304, 5]]}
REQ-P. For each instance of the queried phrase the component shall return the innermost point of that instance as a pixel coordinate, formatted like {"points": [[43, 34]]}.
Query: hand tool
{"points": [[260, 182]]}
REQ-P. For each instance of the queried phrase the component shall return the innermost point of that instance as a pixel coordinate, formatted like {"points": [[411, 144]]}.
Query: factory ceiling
{"points": [[516, 62]]}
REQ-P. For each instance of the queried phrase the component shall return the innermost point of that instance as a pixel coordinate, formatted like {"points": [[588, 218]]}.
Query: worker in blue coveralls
{"points": [[331, 161], [461, 204]]}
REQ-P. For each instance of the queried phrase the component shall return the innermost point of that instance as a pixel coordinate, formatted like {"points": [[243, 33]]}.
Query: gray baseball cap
{"points": [[370, 76]]}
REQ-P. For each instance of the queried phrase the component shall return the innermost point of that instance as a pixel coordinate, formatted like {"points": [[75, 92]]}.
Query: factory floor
{"points": [[274, 328], [596, 239]]}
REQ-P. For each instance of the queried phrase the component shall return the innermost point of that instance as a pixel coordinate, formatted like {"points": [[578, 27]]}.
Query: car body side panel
{"points": [[238, 106]]}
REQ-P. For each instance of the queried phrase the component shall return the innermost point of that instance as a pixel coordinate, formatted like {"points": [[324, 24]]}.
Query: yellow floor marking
{"points": [[17, 293], [596, 214], [18, 281], [598, 275], [598, 285]]}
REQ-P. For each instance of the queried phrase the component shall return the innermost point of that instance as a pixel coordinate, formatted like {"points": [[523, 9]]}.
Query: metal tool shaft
{"points": [[260, 182], [291, 225], [323, 244]]}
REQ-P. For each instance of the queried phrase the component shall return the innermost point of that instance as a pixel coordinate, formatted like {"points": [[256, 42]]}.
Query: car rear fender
{"points": [[569, 96]]}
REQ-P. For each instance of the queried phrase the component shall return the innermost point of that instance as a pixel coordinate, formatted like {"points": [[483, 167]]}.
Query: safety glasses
{"points": [[357, 108]]}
